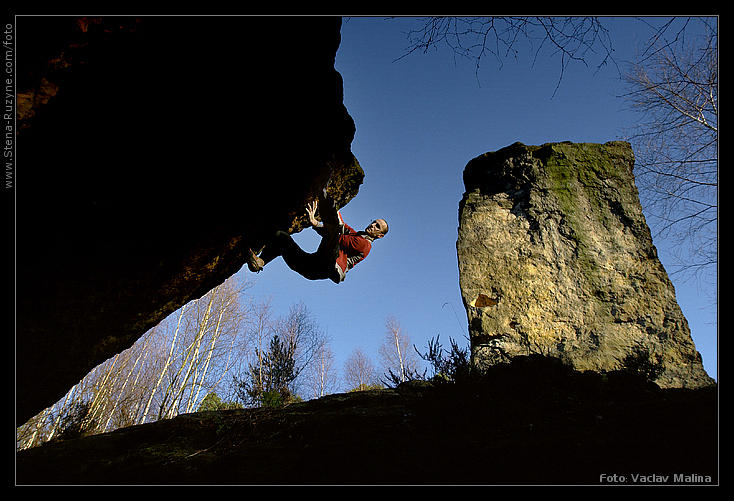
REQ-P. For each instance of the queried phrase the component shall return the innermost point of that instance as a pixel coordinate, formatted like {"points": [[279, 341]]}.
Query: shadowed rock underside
{"points": [[153, 151]]}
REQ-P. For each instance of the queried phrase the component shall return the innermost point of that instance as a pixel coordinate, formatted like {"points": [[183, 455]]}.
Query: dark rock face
{"points": [[152, 152], [555, 258]]}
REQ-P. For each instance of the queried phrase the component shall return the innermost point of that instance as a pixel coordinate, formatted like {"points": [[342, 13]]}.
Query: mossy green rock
{"points": [[555, 257]]}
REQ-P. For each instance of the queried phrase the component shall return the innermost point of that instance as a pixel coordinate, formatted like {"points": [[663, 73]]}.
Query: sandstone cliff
{"points": [[152, 152], [555, 258]]}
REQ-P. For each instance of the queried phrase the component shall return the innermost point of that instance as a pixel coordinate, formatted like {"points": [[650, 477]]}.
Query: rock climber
{"points": [[340, 249]]}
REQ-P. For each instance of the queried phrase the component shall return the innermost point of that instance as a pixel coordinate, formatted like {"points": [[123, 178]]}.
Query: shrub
{"points": [[212, 402], [640, 363], [448, 365]]}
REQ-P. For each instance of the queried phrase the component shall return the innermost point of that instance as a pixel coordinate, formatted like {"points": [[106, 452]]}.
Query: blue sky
{"points": [[419, 121]]}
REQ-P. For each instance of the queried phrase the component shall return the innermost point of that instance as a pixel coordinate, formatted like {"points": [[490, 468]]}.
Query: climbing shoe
{"points": [[254, 263]]}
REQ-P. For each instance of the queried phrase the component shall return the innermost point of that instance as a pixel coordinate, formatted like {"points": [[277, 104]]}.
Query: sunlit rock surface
{"points": [[555, 258]]}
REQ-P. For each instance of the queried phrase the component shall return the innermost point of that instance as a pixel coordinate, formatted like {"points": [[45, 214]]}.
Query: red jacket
{"points": [[353, 248]]}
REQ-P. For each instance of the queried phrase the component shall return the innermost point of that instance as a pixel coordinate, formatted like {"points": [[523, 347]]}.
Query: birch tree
{"points": [[89, 406], [300, 332], [359, 371], [167, 371], [166, 364], [283, 352], [396, 353], [673, 84], [321, 376], [211, 324], [259, 332]]}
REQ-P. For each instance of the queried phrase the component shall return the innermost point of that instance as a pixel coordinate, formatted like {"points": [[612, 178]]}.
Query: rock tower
{"points": [[555, 257]]}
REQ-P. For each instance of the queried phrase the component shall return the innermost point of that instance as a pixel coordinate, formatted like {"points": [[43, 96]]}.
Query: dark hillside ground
{"points": [[530, 422]]}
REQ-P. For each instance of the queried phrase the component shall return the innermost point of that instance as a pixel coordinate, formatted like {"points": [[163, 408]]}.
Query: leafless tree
{"points": [[167, 371], [93, 405], [321, 376], [191, 353], [396, 352], [259, 331], [570, 38], [359, 371], [300, 341], [33, 431], [673, 84], [299, 331], [206, 338]]}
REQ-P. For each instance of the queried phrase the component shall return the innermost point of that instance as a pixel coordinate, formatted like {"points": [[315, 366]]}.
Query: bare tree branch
{"points": [[673, 85], [573, 39]]}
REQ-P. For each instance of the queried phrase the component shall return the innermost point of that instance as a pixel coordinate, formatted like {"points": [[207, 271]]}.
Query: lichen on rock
{"points": [[556, 233]]}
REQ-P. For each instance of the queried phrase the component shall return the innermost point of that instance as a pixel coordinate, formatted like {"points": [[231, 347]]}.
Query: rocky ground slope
{"points": [[534, 421]]}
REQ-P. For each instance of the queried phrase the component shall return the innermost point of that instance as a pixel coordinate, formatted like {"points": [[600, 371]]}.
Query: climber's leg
{"points": [[308, 265], [328, 250], [314, 266]]}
